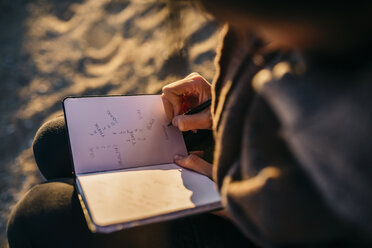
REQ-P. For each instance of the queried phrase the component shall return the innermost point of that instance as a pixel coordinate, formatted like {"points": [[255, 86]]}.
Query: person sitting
{"points": [[291, 121]]}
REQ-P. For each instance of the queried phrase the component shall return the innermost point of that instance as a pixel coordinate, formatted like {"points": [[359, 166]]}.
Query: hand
{"points": [[195, 162], [192, 85]]}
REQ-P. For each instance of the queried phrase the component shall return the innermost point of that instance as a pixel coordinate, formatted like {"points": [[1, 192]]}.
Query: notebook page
{"points": [[117, 132], [135, 194]]}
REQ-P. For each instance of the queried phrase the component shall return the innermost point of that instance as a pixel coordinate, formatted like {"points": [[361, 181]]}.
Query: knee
{"points": [[23, 219], [50, 135], [17, 236], [41, 210], [51, 149]]}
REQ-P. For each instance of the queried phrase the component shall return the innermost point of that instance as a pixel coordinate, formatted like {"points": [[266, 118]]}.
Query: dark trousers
{"points": [[49, 215]]}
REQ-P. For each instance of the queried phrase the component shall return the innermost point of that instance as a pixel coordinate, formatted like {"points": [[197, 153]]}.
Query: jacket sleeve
{"points": [[268, 194]]}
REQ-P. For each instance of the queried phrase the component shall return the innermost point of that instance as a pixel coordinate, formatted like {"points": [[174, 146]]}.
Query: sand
{"points": [[50, 49]]}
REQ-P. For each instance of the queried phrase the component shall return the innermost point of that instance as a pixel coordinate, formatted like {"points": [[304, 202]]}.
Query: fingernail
{"points": [[178, 157], [175, 122]]}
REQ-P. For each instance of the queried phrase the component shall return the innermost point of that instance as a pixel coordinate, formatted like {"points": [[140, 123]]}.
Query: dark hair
{"points": [[271, 10]]}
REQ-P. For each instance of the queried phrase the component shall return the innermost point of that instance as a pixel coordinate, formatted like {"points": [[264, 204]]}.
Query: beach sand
{"points": [[51, 49]]}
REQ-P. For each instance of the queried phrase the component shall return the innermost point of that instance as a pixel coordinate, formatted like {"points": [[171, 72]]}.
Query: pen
{"points": [[197, 109]]}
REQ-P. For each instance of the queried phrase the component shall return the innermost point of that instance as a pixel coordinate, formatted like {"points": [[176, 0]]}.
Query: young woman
{"points": [[291, 121]]}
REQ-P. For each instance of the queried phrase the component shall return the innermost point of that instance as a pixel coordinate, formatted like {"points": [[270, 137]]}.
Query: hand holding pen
{"points": [[187, 103], [197, 109]]}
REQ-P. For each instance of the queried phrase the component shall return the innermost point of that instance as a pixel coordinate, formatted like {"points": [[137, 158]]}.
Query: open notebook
{"points": [[122, 150]]}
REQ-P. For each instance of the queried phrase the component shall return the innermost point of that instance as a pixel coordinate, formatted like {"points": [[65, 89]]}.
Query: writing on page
{"points": [[109, 133]]}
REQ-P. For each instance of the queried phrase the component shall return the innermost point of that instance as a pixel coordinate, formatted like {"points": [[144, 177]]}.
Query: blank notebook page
{"points": [[139, 193]]}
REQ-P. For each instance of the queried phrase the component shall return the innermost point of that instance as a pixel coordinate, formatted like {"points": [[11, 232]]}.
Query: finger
{"points": [[173, 93], [202, 120], [197, 153], [172, 100], [194, 163], [168, 107], [183, 86], [193, 74], [194, 84]]}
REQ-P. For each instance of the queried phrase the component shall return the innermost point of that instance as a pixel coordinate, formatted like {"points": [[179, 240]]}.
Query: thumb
{"points": [[195, 163], [200, 120]]}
